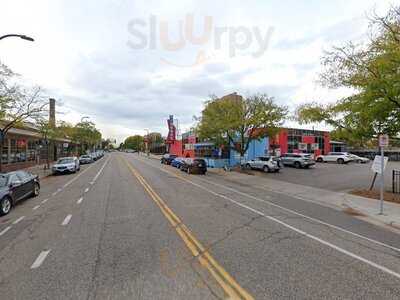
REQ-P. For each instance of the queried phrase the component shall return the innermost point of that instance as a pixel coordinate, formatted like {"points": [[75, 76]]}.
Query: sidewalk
{"points": [[39, 170]]}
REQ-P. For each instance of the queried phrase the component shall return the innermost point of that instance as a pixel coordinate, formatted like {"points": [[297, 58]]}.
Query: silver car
{"points": [[297, 160], [264, 163], [66, 165]]}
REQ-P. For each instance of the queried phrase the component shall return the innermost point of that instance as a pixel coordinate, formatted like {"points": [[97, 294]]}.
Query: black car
{"points": [[15, 186], [194, 165], [168, 158]]}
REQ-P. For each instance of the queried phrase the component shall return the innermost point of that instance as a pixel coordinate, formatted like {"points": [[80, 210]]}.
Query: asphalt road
{"points": [[127, 227]]}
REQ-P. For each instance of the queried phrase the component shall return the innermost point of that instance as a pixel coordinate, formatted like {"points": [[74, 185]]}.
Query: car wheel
{"points": [[248, 167], [266, 169], [319, 159], [297, 165], [36, 190], [358, 161], [5, 206], [340, 161]]}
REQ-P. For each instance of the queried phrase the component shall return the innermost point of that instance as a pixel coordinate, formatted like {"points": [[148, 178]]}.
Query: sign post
{"points": [[383, 142]]}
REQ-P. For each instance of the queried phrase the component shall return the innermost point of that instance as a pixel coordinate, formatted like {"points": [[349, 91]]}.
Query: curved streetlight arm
{"points": [[22, 36]]}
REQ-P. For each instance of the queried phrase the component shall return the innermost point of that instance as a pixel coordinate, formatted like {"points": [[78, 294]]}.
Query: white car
{"points": [[359, 159], [66, 165], [338, 157], [264, 163]]}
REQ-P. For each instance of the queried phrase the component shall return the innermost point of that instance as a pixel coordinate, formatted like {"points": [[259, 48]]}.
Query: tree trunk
{"points": [[1, 156], [48, 154]]}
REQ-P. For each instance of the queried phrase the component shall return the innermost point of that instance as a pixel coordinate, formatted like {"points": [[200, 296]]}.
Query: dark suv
{"points": [[168, 158], [194, 165], [15, 186]]}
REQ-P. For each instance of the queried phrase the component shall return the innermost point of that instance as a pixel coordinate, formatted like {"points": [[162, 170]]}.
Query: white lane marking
{"points": [[66, 220], [18, 220], [5, 230], [86, 190], [36, 207], [301, 232], [79, 200], [99, 172], [56, 192], [45, 200], [40, 259], [79, 175], [288, 210]]}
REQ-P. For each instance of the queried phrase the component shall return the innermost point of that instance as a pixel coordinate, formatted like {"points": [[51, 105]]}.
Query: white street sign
{"points": [[302, 146], [383, 140], [377, 164]]}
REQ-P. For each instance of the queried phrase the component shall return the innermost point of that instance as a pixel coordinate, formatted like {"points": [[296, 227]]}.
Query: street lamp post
{"points": [[22, 36], [147, 143]]}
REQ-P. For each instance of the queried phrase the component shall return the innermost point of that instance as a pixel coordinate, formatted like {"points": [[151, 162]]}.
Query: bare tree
{"points": [[17, 104]]}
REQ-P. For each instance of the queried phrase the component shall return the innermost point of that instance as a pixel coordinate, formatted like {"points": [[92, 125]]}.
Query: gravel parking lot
{"points": [[335, 177]]}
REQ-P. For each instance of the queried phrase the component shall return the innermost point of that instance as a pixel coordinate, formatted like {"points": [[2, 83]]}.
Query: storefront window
{"points": [[4, 156], [18, 150], [31, 156], [293, 143]]}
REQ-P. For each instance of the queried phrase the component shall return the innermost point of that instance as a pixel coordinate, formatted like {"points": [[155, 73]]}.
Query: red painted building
{"points": [[291, 140]]}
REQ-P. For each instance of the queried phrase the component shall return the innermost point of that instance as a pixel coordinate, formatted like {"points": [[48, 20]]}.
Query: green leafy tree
{"points": [[134, 142], [372, 71], [86, 134], [234, 120]]}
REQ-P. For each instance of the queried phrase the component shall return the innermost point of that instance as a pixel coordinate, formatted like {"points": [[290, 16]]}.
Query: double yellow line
{"points": [[226, 281]]}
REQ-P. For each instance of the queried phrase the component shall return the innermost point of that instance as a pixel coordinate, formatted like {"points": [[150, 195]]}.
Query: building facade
{"points": [[293, 140], [25, 147]]}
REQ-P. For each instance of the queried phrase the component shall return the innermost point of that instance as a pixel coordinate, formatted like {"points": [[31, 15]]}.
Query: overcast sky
{"points": [[129, 64]]}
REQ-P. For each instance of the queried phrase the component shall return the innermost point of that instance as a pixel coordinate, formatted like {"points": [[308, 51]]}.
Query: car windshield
{"points": [[65, 161], [265, 158], [3, 180]]}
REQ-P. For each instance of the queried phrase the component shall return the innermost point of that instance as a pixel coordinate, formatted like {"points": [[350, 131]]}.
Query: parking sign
{"points": [[383, 140]]}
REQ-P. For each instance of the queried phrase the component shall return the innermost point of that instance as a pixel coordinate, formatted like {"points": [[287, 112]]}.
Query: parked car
{"points": [[66, 165], [338, 157], [85, 159], [177, 162], [194, 165], [297, 160], [168, 158], [93, 155], [359, 159], [15, 186], [264, 163]]}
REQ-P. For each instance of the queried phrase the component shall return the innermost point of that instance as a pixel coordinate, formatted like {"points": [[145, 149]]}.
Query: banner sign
{"points": [[171, 131]]}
